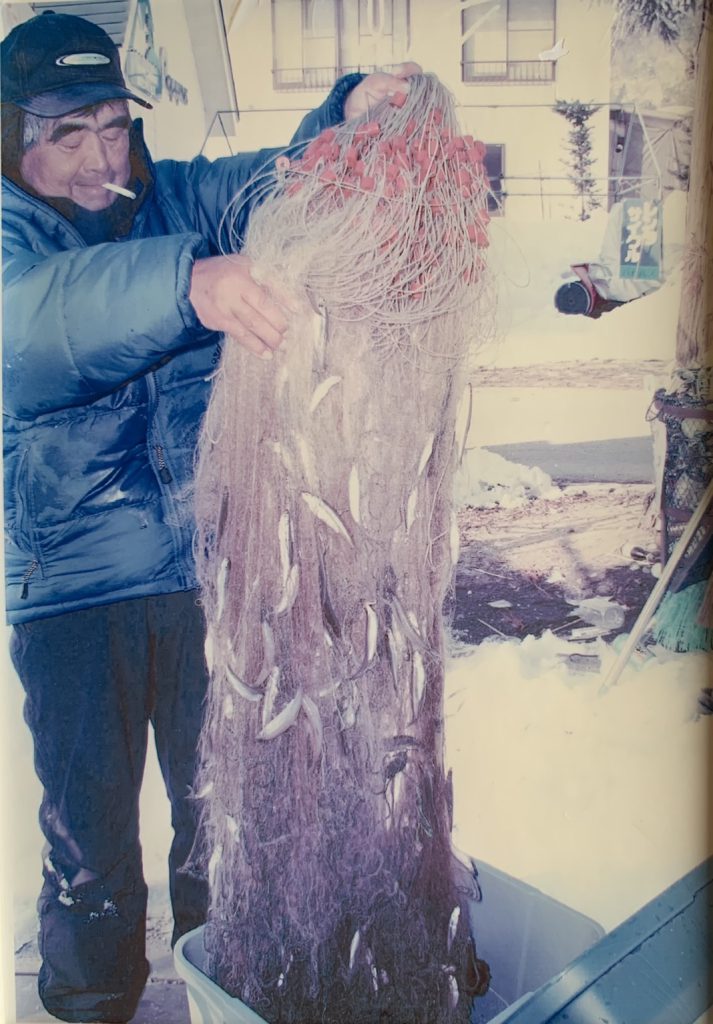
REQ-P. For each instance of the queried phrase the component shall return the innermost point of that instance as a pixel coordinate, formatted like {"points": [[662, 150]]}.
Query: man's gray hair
{"points": [[33, 128]]}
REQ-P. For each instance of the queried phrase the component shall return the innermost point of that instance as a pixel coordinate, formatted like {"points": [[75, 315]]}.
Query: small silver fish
{"points": [[397, 788], [315, 722], [370, 643], [322, 511], [220, 585], [321, 391], [285, 545], [393, 648], [411, 509], [209, 650], [289, 594], [240, 687], [407, 622], [282, 721], [453, 926], [271, 691], [372, 629], [215, 859], [369, 957], [268, 644], [453, 993], [418, 676], [320, 332], [354, 949], [426, 454]]}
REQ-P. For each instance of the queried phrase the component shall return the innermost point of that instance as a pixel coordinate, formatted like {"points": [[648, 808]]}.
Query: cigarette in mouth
{"points": [[118, 189]]}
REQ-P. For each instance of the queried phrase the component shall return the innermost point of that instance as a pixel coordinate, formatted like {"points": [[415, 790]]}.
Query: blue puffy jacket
{"points": [[106, 376]]}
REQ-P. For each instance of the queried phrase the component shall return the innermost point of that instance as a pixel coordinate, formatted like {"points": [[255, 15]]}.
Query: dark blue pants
{"points": [[93, 681]]}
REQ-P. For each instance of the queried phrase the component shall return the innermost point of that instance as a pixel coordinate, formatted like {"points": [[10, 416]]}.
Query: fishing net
{"points": [[326, 543]]}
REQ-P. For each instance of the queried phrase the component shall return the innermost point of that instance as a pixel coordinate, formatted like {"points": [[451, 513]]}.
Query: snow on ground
{"points": [[485, 479], [599, 799]]}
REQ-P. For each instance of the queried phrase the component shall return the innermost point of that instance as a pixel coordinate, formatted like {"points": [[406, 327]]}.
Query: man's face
{"points": [[78, 153]]}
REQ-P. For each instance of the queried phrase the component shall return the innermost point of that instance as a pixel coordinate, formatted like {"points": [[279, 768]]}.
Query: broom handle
{"points": [[646, 613]]}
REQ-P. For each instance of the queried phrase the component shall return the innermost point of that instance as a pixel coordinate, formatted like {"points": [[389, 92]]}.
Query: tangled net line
{"points": [[326, 543]]}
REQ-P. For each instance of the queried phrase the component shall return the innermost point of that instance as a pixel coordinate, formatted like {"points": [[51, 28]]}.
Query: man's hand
{"points": [[226, 298], [377, 87]]}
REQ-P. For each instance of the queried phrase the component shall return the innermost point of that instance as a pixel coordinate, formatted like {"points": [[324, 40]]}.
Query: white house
{"points": [[286, 53], [507, 62]]}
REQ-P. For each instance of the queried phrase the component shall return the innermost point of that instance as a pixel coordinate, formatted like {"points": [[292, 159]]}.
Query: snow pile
{"points": [[598, 798], [486, 480]]}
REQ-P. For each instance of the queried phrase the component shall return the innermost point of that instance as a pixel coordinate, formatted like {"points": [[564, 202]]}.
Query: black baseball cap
{"points": [[56, 63]]}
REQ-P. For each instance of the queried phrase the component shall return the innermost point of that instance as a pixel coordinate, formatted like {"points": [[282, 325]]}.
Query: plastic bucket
{"points": [[655, 966], [525, 936]]}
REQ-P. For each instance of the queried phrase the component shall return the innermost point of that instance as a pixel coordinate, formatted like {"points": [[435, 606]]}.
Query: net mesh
{"points": [[326, 543]]}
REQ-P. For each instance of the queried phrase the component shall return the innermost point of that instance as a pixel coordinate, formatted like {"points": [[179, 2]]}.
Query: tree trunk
{"points": [[694, 336]]}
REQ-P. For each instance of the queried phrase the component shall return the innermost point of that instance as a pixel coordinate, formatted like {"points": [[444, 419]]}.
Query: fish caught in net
{"points": [[326, 544]]}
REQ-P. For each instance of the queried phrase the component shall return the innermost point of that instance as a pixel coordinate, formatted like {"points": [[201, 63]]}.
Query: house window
{"points": [[494, 163], [501, 40], [316, 41]]}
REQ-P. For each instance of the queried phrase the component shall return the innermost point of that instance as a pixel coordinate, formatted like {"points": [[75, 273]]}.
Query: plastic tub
{"points": [[653, 968], [525, 936]]}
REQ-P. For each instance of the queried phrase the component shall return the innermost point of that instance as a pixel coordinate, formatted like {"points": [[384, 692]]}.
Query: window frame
{"points": [[309, 76], [534, 72], [496, 200]]}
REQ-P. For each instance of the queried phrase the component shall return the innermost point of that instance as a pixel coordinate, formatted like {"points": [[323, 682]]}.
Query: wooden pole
{"points": [[694, 335]]}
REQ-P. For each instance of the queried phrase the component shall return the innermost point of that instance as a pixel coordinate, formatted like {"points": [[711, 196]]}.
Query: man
{"points": [[114, 290]]}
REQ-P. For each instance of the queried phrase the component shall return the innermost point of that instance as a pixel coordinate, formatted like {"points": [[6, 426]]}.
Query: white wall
{"points": [[518, 116]]}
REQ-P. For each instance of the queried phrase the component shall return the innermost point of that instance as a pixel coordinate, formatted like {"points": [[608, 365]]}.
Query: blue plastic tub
{"points": [[525, 936], [654, 968]]}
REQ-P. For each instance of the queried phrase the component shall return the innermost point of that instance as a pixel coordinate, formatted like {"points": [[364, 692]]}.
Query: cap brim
{"points": [[59, 102]]}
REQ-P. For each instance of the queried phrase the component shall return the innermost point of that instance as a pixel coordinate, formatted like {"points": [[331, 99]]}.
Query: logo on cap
{"points": [[82, 59]]}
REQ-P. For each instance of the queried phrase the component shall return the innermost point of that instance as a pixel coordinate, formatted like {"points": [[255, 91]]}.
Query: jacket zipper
{"points": [[163, 471], [27, 576]]}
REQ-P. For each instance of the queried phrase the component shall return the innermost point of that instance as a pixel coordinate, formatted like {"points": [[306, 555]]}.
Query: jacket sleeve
{"points": [[205, 189], [77, 324]]}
